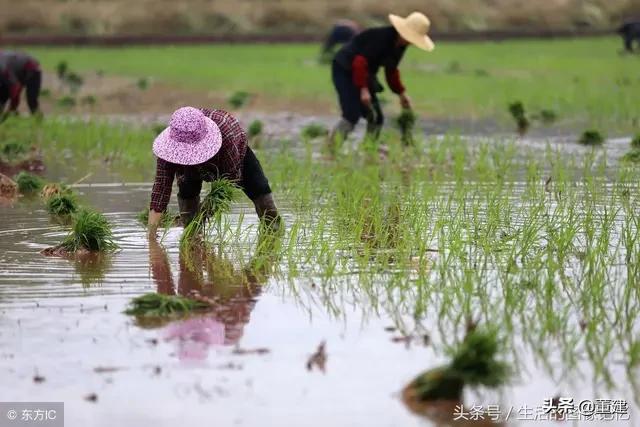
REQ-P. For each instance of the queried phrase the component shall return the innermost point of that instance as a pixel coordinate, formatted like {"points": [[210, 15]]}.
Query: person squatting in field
{"points": [[630, 32], [204, 145], [356, 64], [17, 71]]}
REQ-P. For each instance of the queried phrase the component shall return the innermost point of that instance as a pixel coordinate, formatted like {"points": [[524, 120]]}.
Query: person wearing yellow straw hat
{"points": [[356, 64]]}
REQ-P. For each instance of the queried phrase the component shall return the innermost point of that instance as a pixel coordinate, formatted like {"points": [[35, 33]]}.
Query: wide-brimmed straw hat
{"points": [[414, 29], [190, 139]]}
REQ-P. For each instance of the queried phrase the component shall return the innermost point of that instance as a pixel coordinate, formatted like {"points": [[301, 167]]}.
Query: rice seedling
{"points": [[516, 109], [28, 183], [632, 156], [159, 305], [591, 138], [215, 204], [314, 130], [91, 231], [89, 100], [635, 142], [239, 99], [167, 220], [61, 69], [66, 102], [255, 129], [74, 81], [62, 204], [142, 83], [406, 121], [547, 117]]}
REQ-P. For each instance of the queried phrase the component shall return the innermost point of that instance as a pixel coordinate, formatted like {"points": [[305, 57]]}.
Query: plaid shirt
{"points": [[227, 163]]}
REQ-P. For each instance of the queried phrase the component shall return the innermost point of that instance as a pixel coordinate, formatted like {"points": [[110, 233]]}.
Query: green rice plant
{"points": [[91, 231], [66, 102], [314, 130], [473, 364], [518, 113], [12, 151], [62, 204], [547, 117], [255, 128], [239, 99], [635, 142], [406, 121], [167, 219], [61, 69], [159, 305], [632, 156], [142, 83], [215, 204], [591, 138], [28, 183], [74, 81], [90, 100]]}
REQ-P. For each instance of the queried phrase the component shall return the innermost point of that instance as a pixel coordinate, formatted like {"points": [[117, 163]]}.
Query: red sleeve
{"points": [[161, 192], [14, 94], [360, 70], [393, 80]]}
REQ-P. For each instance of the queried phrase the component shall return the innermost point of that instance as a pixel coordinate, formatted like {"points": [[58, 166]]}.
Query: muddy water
{"points": [[245, 364]]}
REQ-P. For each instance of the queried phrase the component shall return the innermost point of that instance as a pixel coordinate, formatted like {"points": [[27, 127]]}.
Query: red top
{"points": [[227, 163], [360, 70]]}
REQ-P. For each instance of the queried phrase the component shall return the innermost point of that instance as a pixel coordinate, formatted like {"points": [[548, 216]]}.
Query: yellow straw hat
{"points": [[414, 29]]}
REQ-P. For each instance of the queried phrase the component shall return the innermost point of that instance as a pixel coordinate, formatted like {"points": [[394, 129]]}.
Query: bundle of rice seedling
{"points": [[473, 363], [28, 183], [91, 231], [314, 130], [591, 137], [159, 305], [166, 221], [53, 189], [635, 142], [255, 128], [62, 204], [216, 203], [8, 188], [632, 156], [406, 121], [517, 112]]}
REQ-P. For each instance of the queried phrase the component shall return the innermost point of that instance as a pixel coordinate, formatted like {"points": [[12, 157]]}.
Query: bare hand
{"points": [[405, 101], [365, 97]]}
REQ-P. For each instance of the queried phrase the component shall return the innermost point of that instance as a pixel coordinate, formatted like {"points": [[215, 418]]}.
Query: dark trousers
{"points": [[33, 84], [254, 183], [349, 98]]}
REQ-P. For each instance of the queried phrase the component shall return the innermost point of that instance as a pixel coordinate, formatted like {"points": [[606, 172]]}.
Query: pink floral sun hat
{"points": [[191, 138]]}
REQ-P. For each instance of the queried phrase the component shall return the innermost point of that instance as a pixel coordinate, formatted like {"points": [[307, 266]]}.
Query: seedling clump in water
{"points": [[216, 203], [314, 130], [635, 142], [473, 363], [591, 137], [62, 204], [517, 112], [28, 183], [91, 231], [159, 305]]}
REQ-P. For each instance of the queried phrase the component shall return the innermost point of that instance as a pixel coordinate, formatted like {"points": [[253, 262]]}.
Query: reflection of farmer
{"points": [[17, 71], [630, 32], [203, 145], [232, 295], [356, 64], [342, 32]]}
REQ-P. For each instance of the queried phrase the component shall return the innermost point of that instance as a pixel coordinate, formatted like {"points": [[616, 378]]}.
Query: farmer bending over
{"points": [[19, 70], [204, 145], [630, 32], [355, 67]]}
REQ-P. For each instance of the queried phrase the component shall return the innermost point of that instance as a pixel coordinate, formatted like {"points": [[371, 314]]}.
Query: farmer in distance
{"points": [[17, 71], [355, 67], [204, 145]]}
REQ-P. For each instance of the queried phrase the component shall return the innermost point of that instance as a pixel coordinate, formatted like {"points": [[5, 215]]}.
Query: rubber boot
{"points": [[267, 210], [188, 209], [338, 134]]}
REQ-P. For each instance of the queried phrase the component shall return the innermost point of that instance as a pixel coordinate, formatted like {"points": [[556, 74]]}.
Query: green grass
{"points": [[91, 231], [566, 76]]}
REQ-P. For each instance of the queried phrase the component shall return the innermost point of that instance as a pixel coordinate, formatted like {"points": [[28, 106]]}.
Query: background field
{"points": [[587, 82], [296, 16]]}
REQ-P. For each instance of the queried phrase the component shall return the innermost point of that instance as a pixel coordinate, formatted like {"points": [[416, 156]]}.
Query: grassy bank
{"points": [[585, 81]]}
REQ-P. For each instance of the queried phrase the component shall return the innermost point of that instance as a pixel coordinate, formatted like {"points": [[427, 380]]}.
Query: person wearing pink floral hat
{"points": [[203, 145]]}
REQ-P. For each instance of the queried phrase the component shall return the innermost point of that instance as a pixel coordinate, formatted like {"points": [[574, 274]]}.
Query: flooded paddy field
{"points": [[387, 256]]}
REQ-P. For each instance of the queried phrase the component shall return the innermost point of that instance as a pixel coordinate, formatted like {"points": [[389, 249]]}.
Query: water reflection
{"points": [[232, 292]]}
